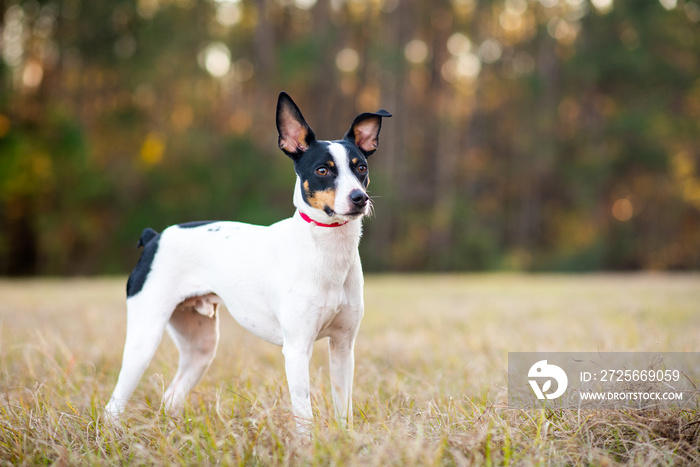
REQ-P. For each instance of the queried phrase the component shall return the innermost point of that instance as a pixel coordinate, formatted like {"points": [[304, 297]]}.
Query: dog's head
{"points": [[332, 176]]}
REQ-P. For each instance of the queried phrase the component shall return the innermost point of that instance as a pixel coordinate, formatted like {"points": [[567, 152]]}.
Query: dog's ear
{"points": [[295, 135], [364, 131]]}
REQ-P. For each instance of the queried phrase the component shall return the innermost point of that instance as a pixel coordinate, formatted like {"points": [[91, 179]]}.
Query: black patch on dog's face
{"points": [[318, 173], [358, 162]]}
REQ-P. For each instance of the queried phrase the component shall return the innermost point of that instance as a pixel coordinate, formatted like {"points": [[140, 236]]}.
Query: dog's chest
{"points": [[332, 299], [328, 288], [328, 306]]}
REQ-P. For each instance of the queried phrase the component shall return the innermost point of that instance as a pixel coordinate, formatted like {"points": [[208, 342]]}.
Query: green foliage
{"points": [[527, 135]]}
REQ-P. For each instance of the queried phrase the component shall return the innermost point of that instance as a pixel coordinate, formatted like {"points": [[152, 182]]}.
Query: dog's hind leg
{"points": [[146, 321], [194, 326]]}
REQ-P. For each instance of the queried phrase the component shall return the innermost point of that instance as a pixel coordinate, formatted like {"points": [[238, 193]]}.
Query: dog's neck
{"points": [[335, 249], [333, 238], [321, 224]]}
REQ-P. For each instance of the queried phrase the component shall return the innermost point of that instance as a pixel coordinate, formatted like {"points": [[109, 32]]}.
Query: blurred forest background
{"points": [[559, 135]]}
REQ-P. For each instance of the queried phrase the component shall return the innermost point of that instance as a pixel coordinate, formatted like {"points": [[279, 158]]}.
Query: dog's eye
{"points": [[322, 171], [362, 169]]}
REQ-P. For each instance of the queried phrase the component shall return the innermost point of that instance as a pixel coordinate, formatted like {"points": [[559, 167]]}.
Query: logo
{"points": [[552, 372]]}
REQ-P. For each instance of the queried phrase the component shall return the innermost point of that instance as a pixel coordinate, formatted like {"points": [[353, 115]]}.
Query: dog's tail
{"points": [[147, 235]]}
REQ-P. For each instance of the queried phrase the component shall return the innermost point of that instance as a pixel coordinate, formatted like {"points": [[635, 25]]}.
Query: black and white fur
{"points": [[291, 283]]}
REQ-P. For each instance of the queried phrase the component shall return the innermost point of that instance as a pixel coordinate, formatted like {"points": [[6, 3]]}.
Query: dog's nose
{"points": [[359, 198]]}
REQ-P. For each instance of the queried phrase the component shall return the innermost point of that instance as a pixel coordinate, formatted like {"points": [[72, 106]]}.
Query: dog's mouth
{"points": [[348, 216]]}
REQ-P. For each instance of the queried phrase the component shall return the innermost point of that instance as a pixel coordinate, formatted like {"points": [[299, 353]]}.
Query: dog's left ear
{"points": [[364, 131]]}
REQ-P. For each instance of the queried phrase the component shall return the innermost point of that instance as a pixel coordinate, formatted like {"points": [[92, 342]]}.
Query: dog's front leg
{"points": [[297, 355], [342, 366]]}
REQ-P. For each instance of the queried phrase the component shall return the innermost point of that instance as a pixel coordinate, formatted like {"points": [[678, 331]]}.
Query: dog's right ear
{"points": [[295, 135]]}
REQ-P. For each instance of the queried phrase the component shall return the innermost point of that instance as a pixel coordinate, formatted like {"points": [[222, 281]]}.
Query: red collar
{"points": [[320, 224]]}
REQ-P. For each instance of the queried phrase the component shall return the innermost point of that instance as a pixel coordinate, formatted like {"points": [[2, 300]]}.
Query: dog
{"points": [[292, 283]]}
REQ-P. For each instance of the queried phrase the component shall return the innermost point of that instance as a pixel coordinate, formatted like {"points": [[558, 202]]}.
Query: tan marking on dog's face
{"points": [[331, 164], [320, 199], [354, 161]]}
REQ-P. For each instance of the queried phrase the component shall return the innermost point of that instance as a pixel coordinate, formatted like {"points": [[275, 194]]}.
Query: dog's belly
{"points": [[264, 312], [255, 317]]}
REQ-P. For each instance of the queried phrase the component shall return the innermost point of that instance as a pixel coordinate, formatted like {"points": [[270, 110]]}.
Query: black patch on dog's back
{"points": [[149, 241], [192, 225]]}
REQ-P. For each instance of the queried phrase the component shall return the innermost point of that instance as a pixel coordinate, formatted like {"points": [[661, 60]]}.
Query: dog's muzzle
{"points": [[359, 199]]}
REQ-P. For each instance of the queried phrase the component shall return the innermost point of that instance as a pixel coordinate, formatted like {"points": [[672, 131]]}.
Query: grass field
{"points": [[430, 378]]}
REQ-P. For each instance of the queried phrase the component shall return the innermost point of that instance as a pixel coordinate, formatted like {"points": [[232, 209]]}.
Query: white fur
{"points": [[347, 182], [290, 283]]}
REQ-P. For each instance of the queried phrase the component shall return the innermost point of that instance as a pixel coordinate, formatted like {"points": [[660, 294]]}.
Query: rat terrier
{"points": [[291, 283]]}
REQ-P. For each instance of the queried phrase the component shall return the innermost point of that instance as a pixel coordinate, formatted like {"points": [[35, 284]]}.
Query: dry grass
{"points": [[429, 389]]}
